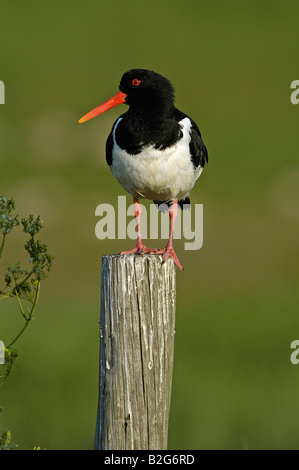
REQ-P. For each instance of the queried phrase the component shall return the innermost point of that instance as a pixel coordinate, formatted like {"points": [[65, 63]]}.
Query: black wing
{"points": [[198, 150]]}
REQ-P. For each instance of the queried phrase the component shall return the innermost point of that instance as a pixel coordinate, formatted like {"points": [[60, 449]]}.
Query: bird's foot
{"points": [[140, 249], [169, 251]]}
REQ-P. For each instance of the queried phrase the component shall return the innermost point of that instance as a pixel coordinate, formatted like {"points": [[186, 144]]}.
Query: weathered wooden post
{"points": [[137, 327]]}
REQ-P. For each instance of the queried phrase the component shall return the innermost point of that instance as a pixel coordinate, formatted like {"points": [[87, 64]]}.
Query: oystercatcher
{"points": [[154, 150]]}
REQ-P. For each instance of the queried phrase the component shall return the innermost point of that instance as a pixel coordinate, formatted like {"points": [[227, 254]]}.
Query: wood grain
{"points": [[137, 327]]}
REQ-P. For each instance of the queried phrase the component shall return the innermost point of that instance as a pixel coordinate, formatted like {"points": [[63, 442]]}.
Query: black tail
{"points": [[163, 206], [185, 204]]}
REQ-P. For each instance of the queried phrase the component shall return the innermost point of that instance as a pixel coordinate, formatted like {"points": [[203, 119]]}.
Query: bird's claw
{"points": [[140, 249], [169, 251]]}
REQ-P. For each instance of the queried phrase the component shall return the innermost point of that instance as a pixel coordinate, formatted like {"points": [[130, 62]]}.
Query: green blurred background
{"points": [[231, 63]]}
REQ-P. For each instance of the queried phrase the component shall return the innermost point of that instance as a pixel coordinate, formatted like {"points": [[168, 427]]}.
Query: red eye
{"points": [[136, 82]]}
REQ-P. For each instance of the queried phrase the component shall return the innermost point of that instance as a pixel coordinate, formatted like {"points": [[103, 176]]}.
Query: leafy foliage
{"points": [[5, 441], [21, 284]]}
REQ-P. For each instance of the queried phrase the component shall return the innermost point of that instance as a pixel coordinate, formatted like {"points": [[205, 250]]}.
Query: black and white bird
{"points": [[154, 150]]}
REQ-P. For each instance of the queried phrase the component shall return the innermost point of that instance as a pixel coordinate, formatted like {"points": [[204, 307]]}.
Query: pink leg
{"points": [[140, 248], [169, 250]]}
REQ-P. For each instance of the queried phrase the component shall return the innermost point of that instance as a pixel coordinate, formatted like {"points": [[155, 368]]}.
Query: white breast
{"points": [[163, 175]]}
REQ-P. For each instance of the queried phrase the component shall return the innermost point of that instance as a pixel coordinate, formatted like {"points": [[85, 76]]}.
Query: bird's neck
{"points": [[139, 129], [151, 113]]}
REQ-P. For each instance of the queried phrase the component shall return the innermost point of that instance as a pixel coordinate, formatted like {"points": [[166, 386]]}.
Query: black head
{"points": [[141, 89], [147, 89]]}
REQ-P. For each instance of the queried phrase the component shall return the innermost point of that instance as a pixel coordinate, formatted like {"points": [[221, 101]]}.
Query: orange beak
{"points": [[119, 98]]}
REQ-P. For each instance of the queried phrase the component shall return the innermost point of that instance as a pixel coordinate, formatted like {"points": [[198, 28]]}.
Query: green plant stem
{"points": [[30, 315], [21, 306], [28, 276], [35, 299], [20, 333], [5, 296], [11, 294], [2, 246]]}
